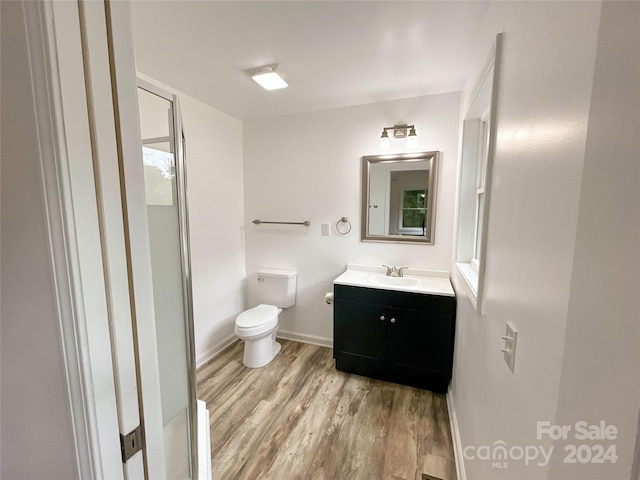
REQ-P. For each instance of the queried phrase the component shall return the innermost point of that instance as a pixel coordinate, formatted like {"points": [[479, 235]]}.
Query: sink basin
{"points": [[419, 281], [396, 281]]}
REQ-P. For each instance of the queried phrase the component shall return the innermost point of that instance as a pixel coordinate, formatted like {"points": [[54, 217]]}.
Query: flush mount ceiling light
{"points": [[399, 132], [269, 77]]}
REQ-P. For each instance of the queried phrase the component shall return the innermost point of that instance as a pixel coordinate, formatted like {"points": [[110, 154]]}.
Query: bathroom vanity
{"points": [[399, 329]]}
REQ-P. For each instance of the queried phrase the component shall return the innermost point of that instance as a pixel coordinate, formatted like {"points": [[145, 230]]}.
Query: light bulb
{"points": [[384, 141], [412, 139]]}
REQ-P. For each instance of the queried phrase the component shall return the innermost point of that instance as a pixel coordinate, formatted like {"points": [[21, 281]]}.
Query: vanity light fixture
{"points": [[399, 132], [269, 77]]}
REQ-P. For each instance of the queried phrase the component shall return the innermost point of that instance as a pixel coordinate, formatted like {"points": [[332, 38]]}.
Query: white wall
{"points": [[216, 206], [37, 432], [601, 352], [539, 244], [308, 167]]}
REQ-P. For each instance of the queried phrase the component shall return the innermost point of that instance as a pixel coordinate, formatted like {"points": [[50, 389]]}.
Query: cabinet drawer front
{"points": [[416, 301]]}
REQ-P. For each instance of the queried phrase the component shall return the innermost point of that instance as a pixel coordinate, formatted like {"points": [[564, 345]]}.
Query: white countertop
{"points": [[420, 281]]}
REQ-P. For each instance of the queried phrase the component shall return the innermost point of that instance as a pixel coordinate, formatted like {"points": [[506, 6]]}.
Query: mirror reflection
{"points": [[398, 197]]}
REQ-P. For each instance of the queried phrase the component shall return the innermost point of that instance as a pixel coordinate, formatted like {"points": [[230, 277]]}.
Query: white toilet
{"points": [[258, 325]]}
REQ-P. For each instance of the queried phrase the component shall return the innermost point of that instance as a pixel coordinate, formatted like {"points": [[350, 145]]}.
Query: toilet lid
{"points": [[257, 316]]}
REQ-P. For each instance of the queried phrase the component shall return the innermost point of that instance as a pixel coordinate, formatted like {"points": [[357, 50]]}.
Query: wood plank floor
{"points": [[300, 418]]}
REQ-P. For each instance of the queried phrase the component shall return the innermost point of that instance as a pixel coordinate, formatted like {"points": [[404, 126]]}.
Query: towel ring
{"points": [[340, 222]]}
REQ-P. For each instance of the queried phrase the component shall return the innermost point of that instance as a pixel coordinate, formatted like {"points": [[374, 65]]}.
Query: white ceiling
{"points": [[338, 53]]}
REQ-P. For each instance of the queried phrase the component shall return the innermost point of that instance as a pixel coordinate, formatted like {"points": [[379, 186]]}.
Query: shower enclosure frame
{"points": [[179, 142]]}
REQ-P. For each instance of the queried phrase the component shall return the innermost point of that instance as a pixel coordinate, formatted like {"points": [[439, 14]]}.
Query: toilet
{"points": [[258, 325]]}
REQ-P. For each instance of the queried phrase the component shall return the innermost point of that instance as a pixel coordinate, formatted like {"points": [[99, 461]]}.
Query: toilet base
{"points": [[260, 352]]}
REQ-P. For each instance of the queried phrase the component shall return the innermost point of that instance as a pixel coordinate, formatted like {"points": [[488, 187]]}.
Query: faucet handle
{"points": [[400, 269], [389, 269]]}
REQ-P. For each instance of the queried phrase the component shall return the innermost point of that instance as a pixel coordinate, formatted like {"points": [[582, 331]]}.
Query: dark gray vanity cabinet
{"points": [[396, 336]]}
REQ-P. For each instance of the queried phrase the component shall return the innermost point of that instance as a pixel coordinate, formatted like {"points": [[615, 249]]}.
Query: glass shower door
{"points": [[163, 159]]}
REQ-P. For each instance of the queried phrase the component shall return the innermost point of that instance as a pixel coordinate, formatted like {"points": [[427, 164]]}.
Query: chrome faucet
{"points": [[394, 271]]}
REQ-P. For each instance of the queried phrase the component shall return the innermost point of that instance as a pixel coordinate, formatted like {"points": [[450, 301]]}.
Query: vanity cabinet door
{"points": [[360, 337], [419, 349]]}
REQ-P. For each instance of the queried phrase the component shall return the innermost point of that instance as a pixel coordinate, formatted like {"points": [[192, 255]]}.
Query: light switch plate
{"points": [[510, 343], [325, 230]]}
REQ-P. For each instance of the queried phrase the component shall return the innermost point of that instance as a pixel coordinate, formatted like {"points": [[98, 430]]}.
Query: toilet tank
{"points": [[277, 287]]}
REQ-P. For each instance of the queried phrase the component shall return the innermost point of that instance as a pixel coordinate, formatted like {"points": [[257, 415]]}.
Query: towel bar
{"points": [[306, 223]]}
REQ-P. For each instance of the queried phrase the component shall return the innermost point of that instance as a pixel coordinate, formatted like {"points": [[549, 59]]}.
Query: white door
{"points": [[87, 103], [378, 199]]}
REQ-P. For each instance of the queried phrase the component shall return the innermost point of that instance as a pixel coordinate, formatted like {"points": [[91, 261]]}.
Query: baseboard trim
{"points": [[286, 335], [455, 438], [215, 350], [304, 338]]}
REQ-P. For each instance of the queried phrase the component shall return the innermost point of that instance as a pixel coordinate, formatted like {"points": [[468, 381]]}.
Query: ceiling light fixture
{"points": [[269, 77], [399, 132]]}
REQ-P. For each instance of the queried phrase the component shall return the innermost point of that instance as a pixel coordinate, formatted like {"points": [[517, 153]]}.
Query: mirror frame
{"points": [[367, 162]]}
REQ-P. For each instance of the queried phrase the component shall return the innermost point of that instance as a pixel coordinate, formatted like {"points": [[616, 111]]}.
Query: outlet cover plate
{"points": [[510, 343]]}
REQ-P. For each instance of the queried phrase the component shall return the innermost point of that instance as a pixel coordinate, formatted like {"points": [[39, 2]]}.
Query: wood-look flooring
{"points": [[300, 418]]}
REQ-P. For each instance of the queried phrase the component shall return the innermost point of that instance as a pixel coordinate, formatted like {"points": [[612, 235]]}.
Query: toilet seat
{"points": [[256, 320]]}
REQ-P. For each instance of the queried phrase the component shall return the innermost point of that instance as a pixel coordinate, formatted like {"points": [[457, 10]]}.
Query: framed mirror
{"points": [[399, 197]]}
